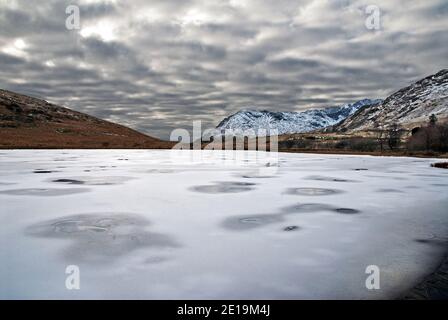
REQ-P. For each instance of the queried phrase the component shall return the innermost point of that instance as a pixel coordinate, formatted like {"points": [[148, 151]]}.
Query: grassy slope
{"points": [[27, 122]]}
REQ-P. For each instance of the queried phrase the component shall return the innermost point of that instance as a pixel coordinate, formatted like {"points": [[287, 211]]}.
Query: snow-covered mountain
{"points": [[407, 107], [247, 121]]}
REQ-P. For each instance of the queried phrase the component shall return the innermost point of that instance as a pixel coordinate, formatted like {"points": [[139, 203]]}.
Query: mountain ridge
{"points": [[243, 121], [407, 107]]}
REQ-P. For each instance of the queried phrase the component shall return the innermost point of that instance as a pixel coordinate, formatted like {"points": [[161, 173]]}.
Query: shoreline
{"points": [[432, 287], [317, 151], [376, 154]]}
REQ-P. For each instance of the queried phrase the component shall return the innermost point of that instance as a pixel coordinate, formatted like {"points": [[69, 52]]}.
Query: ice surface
{"points": [[212, 224]]}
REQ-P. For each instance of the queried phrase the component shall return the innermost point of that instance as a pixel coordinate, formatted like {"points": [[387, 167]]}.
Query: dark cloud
{"points": [[294, 64], [158, 65], [97, 10], [7, 60]]}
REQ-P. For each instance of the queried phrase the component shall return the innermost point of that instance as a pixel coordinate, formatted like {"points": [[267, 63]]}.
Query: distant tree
{"points": [[443, 137], [394, 136], [432, 120], [433, 137], [288, 144], [380, 134], [428, 136]]}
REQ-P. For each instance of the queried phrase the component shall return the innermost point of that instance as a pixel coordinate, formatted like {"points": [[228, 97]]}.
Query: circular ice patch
{"points": [[307, 207], [101, 237], [251, 222], [312, 191], [225, 187]]}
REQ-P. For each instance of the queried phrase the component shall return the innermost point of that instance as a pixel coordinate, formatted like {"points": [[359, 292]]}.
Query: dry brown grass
{"points": [[27, 122], [73, 135]]}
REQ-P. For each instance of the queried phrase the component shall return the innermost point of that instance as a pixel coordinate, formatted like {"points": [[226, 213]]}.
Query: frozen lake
{"points": [[205, 225]]}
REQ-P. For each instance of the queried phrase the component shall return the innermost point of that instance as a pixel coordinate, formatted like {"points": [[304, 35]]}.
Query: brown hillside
{"points": [[27, 122]]}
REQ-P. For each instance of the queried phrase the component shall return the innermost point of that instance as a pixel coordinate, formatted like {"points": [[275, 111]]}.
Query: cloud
{"points": [[158, 65]]}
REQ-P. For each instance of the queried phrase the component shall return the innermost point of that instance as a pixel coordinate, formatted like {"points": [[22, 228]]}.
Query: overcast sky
{"points": [[157, 65]]}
